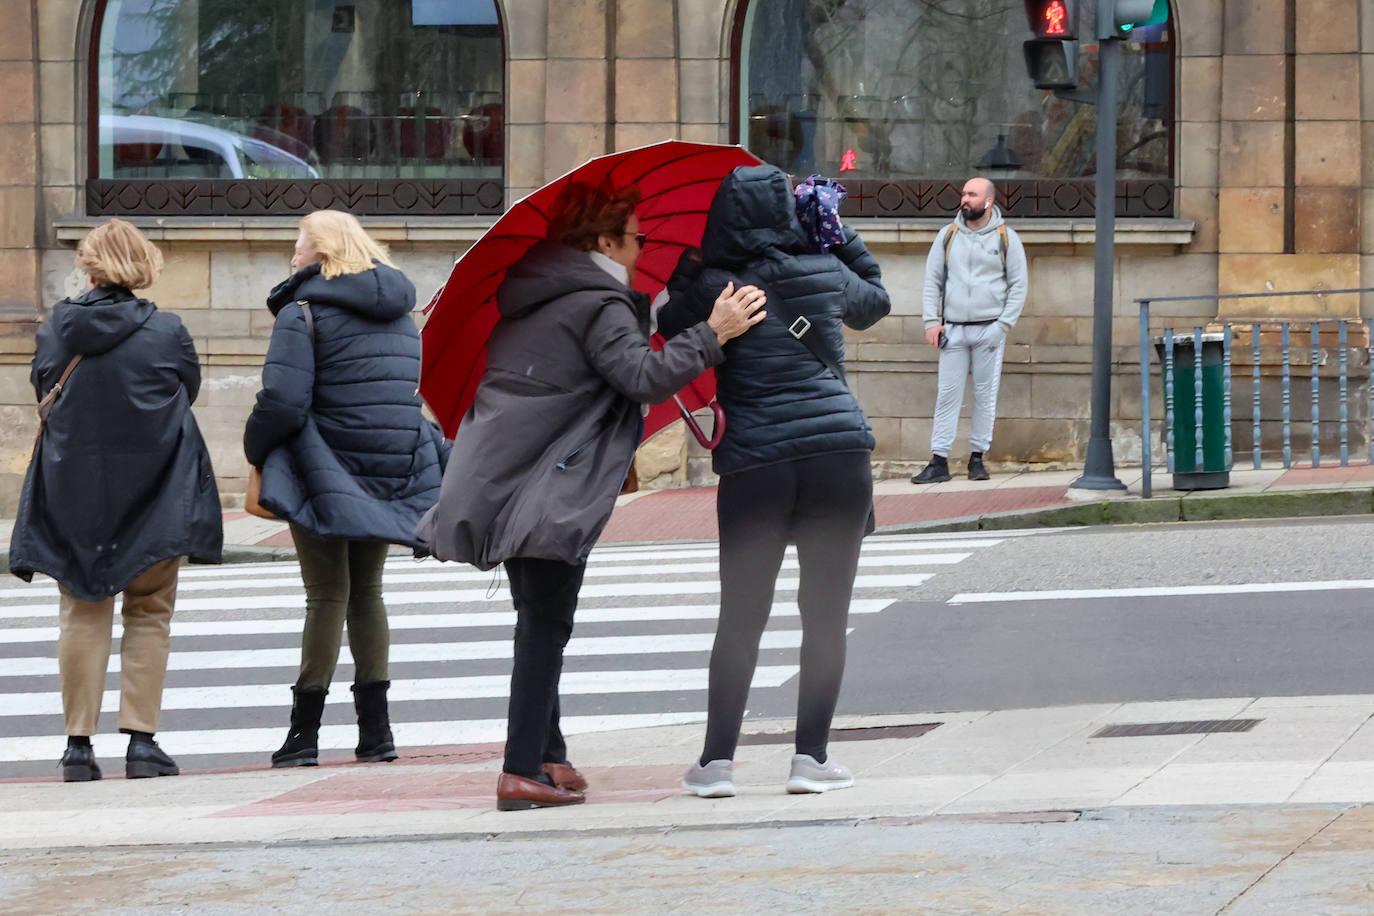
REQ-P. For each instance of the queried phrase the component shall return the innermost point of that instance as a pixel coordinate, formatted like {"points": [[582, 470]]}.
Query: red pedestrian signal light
{"points": [[1056, 19], [1055, 15]]}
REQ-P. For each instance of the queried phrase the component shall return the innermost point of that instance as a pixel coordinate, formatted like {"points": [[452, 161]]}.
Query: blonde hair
{"points": [[342, 243], [115, 253]]}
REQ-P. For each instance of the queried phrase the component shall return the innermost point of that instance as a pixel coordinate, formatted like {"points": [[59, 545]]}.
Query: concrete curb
{"points": [[1191, 508]]}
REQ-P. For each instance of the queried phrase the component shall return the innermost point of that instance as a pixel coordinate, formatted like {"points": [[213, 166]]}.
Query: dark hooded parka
{"points": [[337, 429], [545, 448], [780, 401], [121, 479]]}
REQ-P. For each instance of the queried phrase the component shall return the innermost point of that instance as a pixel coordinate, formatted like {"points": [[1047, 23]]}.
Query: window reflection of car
{"points": [[143, 146]]}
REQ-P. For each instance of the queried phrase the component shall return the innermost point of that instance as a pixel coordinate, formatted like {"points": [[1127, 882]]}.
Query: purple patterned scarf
{"points": [[818, 210]]}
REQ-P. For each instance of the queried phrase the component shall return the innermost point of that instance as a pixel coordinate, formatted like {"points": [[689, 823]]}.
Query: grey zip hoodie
{"points": [[977, 289]]}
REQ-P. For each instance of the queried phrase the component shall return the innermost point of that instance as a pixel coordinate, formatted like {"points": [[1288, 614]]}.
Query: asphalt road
{"points": [[931, 655]]}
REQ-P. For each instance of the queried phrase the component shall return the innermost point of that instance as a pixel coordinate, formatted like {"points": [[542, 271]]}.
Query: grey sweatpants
{"points": [[976, 348]]}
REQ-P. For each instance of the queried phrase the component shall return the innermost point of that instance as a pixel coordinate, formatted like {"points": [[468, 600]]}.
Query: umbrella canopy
{"points": [[676, 181]]}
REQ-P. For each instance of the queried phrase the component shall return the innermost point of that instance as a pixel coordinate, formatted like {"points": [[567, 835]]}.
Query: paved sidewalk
{"points": [[1302, 751], [1008, 500]]}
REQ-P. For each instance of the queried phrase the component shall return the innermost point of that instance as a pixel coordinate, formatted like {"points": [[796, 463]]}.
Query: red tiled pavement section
{"points": [[1354, 474], [380, 791], [924, 507], [691, 514]]}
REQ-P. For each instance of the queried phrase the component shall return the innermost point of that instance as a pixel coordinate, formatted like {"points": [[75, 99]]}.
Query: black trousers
{"points": [[545, 595], [821, 504]]}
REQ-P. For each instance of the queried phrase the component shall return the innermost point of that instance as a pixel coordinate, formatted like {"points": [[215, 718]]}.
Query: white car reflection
{"points": [[143, 146]]}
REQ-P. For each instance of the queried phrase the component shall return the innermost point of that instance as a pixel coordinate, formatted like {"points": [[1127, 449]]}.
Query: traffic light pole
{"points": [[1099, 471]]}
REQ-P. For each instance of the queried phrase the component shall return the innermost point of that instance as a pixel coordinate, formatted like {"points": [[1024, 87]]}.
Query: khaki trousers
{"points": [[83, 651]]}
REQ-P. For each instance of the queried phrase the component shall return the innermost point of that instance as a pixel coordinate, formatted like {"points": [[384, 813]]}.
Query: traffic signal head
{"points": [[1051, 63], [1056, 19], [1129, 14]]}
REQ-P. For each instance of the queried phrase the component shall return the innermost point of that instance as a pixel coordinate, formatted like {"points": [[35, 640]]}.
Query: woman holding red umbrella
{"points": [[546, 446]]}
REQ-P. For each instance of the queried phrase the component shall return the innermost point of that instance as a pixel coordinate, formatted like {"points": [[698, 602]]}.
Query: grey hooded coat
{"points": [[540, 457]]}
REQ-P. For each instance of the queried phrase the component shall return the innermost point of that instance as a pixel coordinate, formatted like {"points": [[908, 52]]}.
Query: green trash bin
{"points": [[1215, 472]]}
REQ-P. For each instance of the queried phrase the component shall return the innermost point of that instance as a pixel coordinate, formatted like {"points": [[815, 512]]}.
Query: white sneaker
{"points": [[809, 776], [715, 780]]}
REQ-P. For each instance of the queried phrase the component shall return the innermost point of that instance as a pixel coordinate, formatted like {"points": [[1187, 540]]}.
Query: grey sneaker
{"points": [[809, 776], [715, 780]]}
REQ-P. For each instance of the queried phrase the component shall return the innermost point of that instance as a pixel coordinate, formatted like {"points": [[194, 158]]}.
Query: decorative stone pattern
{"points": [[389, 197], [1017, 198]]}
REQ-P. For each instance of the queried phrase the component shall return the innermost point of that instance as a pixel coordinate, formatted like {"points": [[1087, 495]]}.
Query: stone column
{"points": [[1290, 155], [646, 72], [19, 241], [576, 110], [18, 162]]}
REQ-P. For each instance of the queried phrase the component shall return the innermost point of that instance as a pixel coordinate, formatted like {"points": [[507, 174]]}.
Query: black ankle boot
{"points": [[144, 758], [976, 471], [375, 743], [935, 472], [78, 761], [302, 747]]}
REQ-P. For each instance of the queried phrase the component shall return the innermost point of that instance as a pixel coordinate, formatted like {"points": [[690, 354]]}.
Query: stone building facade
{"points": [[1269, 104]]}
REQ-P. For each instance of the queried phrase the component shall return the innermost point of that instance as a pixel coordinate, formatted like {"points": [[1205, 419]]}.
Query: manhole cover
{"points": [[1202, 727], [846, 734]]}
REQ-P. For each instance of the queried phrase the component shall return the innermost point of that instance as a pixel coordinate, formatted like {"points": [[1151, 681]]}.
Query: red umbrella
{"points": [[676, 181]]}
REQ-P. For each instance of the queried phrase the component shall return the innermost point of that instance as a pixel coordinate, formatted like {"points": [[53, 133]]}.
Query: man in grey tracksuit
{"points": [[974, 291]]}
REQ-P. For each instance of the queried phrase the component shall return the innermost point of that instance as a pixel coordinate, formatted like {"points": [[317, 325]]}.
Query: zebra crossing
{"points": [[638, 657]]}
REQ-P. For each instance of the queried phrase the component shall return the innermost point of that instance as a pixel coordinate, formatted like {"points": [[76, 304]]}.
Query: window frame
{"points": [[1038, 198], [259, 197]]}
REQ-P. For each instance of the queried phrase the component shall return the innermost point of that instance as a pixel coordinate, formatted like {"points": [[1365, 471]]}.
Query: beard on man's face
{"points": [[972, 213]]}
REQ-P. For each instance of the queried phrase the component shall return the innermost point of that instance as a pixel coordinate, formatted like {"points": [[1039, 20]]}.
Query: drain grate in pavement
{"points": [[846, 734], [1202, 727]]}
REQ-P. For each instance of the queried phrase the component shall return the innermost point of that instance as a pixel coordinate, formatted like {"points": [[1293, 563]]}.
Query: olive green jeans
{"points": [[343, 584]]}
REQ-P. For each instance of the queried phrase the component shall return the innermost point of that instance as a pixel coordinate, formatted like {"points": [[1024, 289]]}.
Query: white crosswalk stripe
{"points": [[639, 657]]}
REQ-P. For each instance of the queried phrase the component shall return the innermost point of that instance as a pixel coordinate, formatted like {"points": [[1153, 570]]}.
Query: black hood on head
{"points": [[753, 212], [98, 321], [547, 272], [380, 294]]}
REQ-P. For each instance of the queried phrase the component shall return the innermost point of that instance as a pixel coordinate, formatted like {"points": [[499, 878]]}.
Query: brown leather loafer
{"points": [[516, 793], [565, 776]]}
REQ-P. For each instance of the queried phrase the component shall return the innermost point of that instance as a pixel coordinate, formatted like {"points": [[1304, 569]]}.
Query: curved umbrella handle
{"points": [[717, 429]]}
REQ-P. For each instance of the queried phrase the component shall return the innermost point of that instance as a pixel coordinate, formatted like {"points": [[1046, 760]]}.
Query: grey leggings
{"points": [[343, 583]]}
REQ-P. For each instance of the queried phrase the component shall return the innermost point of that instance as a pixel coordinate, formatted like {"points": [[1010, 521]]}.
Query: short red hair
{"points": [[585, 212]]}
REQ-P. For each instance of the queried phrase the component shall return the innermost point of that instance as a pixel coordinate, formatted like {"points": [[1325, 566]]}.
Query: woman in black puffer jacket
{"points": [[794, 461], [346, 458]]}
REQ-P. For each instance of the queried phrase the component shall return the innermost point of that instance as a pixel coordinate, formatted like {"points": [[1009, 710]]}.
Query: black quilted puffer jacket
{"points": [[781, 402], [337, 428]]}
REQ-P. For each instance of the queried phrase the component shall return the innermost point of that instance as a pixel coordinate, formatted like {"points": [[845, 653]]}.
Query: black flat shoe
{"points": [[976, 471], [78, 764], [145, 759]]}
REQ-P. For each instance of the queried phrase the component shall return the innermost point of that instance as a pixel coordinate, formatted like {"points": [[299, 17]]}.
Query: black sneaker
{"points": [[145, 759], [976, 471], [935, 472], [78, 764]]}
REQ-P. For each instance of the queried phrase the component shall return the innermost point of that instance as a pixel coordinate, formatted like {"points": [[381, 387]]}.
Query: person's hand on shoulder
{"points": [[736, 311]]}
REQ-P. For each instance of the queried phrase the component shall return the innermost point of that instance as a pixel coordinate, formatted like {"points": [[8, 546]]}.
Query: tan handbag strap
{"points": [[45, 406]]}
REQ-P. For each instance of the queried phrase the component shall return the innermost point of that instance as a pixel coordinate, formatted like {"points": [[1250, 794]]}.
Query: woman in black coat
{"points": [[346, 458], [794, 461], [120, 488], [548, 442]]}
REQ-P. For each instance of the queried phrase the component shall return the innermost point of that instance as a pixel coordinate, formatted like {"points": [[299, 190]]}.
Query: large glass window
{"points": [[924, 89], [299, 89]]}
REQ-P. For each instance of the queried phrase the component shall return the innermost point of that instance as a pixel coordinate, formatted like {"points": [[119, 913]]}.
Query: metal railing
{"points": [[1257, 327]]}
